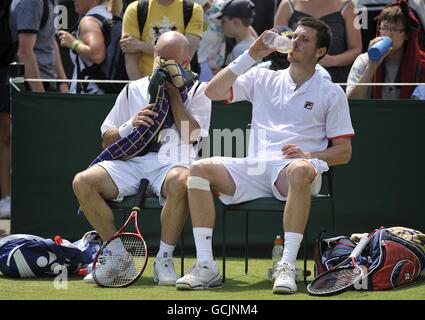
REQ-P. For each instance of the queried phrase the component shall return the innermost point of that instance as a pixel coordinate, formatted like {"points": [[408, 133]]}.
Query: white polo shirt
{"points": [[316, 112], [197, 104]]}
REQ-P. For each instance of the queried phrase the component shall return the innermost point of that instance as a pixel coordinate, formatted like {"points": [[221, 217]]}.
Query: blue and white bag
{"points": [[29, 256]]}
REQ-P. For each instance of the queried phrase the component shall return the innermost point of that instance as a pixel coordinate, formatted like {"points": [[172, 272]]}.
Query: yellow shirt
{"points": [[159, 20]]}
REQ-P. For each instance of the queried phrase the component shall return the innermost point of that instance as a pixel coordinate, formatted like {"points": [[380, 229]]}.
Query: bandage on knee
{"points": [[199, 183]]}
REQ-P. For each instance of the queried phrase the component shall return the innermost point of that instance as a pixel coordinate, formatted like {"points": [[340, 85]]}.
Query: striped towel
{"points": [[131, 145]]}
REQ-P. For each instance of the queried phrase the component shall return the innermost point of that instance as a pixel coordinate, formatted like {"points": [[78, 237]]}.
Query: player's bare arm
{"points": [[219, 88]]}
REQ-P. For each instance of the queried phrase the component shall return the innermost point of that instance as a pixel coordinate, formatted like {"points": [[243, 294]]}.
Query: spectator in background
{"points": [[31, 25], [212, 47], [88, 47], [419, 93], [404, 63], [374, 8], [339, 15], [264, 10], [236, 18], [163, 16]]}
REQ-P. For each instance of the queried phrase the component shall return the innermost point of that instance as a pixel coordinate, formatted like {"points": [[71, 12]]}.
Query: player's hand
{"points": [[145, 116], [130, 44], [258, 49], [292, 151]]}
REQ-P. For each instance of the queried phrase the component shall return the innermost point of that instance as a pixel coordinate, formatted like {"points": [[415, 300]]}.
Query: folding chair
{"points": [[273, 205]]}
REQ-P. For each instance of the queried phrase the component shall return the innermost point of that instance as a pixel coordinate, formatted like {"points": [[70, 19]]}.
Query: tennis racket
{"points": [[343, 276], [112, 269]]}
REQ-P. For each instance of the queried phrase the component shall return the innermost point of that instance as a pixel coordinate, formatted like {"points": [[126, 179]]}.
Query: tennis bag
{"points": [[395, 257], [29, 256]]}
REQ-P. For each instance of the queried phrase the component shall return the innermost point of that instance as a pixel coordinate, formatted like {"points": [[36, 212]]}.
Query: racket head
{"points": [[121, 270], [336, 280]]}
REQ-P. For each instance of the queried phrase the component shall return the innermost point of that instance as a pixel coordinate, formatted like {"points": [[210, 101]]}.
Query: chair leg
{"points": [[223, 244], [246, 242], [182, 253], [305, 256]]}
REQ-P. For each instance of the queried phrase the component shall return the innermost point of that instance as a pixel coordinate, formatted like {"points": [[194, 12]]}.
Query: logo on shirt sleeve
{"points": [[308, 105]]}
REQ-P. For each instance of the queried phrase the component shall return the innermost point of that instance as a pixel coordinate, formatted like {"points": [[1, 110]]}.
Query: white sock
{"points": [[165, 250], [116, 246], [291, 247], [203, 243]]}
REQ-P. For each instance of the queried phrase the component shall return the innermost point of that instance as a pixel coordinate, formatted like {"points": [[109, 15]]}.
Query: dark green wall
{"points": [[55, 136]]}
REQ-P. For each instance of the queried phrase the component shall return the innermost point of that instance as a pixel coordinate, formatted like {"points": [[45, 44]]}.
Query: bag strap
{"points": [[142, 14], [187, 11]]}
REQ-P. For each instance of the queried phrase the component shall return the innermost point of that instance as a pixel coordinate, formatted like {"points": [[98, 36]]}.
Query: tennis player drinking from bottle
{"points": [[295, 113]]}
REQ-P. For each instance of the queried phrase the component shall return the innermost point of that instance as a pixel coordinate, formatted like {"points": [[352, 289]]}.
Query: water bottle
{"points": [[380, 48], [277, 252], [278, 42]]}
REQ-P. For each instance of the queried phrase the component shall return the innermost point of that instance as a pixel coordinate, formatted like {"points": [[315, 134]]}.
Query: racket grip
{"points": [[360, 246], [141, 192]]}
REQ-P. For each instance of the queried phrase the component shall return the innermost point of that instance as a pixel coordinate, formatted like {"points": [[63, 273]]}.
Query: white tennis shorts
{"points": [[255, 178], [127, 174]]}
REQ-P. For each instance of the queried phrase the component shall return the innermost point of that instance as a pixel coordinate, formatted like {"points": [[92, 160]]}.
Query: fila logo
{"points": [[308, 105]]}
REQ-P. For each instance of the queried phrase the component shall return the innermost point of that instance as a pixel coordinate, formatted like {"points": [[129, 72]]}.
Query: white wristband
{"points": [[125, 129], [242, 63]]}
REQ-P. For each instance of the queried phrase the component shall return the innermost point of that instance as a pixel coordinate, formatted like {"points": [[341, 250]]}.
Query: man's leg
{"points": [[92, 187], [293, 181], [173, 218], [205, 175]]}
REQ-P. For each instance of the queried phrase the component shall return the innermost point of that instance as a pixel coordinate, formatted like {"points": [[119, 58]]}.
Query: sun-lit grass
{"points": [[238, 286]]}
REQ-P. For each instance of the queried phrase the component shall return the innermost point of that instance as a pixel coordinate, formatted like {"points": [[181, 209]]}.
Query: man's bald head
{"points": [[173, 45]]}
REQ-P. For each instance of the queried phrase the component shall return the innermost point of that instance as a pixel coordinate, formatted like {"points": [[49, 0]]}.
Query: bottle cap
{"points": [[58, 239], [278, 240], [82, 272]]}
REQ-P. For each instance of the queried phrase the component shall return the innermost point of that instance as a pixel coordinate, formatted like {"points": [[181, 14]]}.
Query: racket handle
{"points": [[141, 192], [360, 246]]}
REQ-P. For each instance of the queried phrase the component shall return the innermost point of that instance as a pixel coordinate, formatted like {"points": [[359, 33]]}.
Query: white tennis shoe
{"points": [[111, 267], [163, 272], [285, 278], [200, 276]]}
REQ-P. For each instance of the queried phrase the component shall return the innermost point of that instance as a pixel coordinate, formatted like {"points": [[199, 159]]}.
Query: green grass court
{"points": [[238, 286]]}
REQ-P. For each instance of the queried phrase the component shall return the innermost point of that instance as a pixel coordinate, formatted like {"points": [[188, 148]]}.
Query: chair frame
{"points": [[273, 205]]}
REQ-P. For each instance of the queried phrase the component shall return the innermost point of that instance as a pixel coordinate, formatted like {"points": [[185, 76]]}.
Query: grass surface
{"points": [[238, 286]]}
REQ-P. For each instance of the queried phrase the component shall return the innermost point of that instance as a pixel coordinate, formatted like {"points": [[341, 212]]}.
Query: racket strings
{"points": [[117, 269], [335, 281]]}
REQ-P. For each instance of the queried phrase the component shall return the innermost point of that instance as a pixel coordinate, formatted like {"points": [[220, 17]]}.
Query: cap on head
{"points": [[236, 8]]}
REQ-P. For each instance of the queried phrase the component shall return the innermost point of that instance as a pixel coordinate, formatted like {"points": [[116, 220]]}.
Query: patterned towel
{"points": [[142, 136]]}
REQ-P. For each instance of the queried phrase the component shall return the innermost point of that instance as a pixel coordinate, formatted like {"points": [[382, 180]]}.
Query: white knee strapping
{"points": [[199, 183]]}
